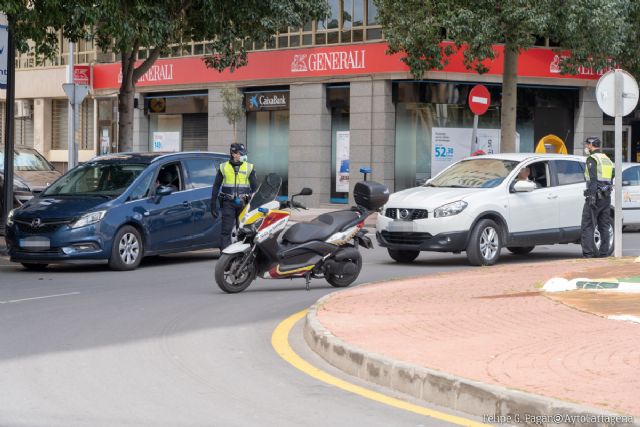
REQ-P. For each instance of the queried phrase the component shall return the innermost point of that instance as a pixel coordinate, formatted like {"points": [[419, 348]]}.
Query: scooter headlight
{"points": [[10, 217]]}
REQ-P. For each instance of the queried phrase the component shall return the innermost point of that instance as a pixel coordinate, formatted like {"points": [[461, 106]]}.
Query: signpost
{"points": [[7, 81], [479, 100], [76, 94], [617, 96]]}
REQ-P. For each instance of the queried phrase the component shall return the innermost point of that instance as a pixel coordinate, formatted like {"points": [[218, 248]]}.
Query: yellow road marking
{"points": [[280, 343]]}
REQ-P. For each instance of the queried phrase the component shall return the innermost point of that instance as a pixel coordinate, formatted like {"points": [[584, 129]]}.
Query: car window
{"points": [[170, 176], [202, 172], [474, 173], [96, 179], [569, 172], [27, 160], [141, 190], [632, 175], [540, 174]]}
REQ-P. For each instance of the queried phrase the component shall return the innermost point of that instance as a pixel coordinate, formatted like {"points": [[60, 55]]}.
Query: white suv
{"points": [[477, 205]]}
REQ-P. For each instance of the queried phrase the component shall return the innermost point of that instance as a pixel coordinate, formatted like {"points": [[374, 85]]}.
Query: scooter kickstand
{"points": [[308, 279]]}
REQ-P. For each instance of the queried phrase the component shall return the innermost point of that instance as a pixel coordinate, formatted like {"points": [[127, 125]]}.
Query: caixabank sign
{"points": [[259, 101]]}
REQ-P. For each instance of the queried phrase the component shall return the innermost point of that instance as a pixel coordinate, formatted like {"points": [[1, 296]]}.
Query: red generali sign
{"points": [[361, 59], [479, 99], [82, 74]]}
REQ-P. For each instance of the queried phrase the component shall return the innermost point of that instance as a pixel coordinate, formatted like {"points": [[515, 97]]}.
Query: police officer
{"points": [[596, 211], [234, 184]]}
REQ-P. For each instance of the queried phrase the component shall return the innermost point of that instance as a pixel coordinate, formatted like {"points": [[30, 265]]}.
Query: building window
{"points": [[338, 102]]}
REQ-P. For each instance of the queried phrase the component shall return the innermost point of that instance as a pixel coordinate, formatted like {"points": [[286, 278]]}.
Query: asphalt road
{"points": [[163, 346]]}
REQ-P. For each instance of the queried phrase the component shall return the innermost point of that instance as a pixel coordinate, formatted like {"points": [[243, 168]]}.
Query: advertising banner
{"points": [[452, 144], [166, 141], [4, 41], [342, 161]]}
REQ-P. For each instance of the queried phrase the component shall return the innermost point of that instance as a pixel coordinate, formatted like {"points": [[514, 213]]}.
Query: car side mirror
{"points": [[306, 191], [524, 186], [163, 191], [626, 183]]}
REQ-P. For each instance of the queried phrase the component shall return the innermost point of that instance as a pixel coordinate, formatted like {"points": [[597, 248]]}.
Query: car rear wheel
{"points": [[520, 250], [403, 256], [33, 266], [127, 249], [485, 243]]}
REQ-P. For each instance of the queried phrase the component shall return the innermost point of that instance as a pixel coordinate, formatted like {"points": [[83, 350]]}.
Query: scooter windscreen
{"points": [[267, 192]]}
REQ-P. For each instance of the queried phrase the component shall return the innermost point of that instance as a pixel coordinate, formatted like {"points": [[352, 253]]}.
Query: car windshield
{"points": [[267, 192], [96, 179], [474, 173], [26, 160]]}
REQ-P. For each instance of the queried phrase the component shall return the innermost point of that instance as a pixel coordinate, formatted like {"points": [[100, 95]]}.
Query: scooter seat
{"points": [[320, 228]]}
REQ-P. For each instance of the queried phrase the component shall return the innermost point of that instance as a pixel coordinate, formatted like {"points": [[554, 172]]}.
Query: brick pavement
{"points": [[492, 325]]}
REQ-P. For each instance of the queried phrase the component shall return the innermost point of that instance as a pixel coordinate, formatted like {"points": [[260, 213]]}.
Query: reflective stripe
{"points": [[604, 167]]}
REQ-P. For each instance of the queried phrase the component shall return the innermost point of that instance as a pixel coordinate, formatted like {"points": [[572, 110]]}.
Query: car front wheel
{"points": [[484, 243], [127, 249]]}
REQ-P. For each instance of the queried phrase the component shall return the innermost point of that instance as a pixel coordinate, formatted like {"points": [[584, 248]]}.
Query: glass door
{"points": [[608, 142]]}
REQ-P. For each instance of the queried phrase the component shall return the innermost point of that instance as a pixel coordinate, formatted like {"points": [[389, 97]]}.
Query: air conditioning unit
{"points": [[22, 108]]}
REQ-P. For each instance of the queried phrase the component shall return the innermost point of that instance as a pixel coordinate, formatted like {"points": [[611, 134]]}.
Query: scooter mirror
{"points": [[306, 192]]}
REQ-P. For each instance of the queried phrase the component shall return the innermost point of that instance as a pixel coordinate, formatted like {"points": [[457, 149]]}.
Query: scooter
{"points": [[325, 248]]}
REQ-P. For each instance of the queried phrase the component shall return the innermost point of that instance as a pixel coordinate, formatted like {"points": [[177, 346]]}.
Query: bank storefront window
{"points": [[177, 121], [268, 133], [338, 102], [434, 124]]}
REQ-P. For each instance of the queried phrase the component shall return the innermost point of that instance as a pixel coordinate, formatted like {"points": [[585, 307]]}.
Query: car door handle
{"points": [[186, 204], [552, 196]]}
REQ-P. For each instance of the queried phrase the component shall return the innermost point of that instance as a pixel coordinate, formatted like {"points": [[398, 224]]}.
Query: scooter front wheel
{"points": [[228, 281]]}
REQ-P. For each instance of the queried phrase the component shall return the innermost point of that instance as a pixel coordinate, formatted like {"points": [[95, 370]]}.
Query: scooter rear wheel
{"points": [[226, 281], [345, 280]]}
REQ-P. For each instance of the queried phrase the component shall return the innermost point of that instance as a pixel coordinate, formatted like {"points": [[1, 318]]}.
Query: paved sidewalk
{"points": [[489, 342]]}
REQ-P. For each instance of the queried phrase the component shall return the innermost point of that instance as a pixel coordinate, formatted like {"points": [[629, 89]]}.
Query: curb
{"points": [[472, 397]]}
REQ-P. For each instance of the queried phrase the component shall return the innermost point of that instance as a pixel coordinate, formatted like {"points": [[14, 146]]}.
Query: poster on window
{"points": [[342, 161], [166, 141], [452, 144]]}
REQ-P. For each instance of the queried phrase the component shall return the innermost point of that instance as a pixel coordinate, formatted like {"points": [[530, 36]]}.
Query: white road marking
{"points": [[42, 297]]}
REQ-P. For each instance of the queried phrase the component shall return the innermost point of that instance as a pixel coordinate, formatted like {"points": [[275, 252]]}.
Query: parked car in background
{"points": [[119, 208], [631, 195], [479, 206], [32, 174]]}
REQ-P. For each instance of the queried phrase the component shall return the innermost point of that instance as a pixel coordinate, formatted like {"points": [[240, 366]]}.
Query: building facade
{"points": [[321, 102]]}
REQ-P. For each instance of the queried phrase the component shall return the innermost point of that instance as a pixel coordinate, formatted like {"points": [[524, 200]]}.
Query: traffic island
{"points": [[487, 342]]}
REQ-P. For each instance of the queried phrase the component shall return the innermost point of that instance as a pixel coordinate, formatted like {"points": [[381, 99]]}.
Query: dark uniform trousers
{"points": [[602, 216], [230, 212]]}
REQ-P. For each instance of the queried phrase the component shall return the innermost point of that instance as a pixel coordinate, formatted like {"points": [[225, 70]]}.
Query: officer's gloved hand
{"points": [[214, 211], [591, 201]]}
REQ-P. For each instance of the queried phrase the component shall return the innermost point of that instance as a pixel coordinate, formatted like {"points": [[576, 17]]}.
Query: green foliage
{"points": [[232, 106], [593, 30]]}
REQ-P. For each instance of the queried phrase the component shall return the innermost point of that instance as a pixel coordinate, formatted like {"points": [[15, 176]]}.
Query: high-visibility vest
{"points": [[605, 168], [236, 183]]}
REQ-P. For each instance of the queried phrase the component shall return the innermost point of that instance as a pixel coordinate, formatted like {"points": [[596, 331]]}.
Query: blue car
{"points": [[119, 208]]}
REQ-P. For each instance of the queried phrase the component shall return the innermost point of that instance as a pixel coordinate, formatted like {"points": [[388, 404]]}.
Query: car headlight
{"points": [[450, 209], [88, 219], [10, 217]]}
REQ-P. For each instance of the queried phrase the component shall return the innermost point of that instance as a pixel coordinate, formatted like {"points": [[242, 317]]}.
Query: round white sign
{"points": [[605, 93]]}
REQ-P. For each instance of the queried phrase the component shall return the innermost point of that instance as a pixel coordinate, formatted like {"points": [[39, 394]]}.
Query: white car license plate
{"points": [[35, 242], [401, 226]]}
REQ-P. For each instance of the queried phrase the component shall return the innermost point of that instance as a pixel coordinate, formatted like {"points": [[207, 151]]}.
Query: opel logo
{"points": [[404, 213], [36, 222]]}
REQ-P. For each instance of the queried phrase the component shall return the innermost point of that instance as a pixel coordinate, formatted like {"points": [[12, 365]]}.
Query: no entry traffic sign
{"points": [[479, 99]]}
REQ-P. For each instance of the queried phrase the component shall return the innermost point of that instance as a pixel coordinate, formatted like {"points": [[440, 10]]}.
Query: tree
{"points": [[592, 29], [127, 26], [232, 107]]}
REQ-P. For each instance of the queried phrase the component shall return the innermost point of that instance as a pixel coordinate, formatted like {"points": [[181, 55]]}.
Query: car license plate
{"points": [[35, 242], [401, 226]]}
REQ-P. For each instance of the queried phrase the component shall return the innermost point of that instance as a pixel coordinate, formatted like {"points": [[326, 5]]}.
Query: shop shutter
{"points": [[59, 117], [86, 124], [194, 132]]}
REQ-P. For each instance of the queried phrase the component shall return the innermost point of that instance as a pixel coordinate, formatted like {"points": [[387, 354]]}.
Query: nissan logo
{"points": [[404, 213], [36, 222]]}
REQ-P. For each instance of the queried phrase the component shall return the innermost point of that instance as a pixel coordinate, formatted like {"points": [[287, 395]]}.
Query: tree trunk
{"points": [[126, 109], [509, 101]]}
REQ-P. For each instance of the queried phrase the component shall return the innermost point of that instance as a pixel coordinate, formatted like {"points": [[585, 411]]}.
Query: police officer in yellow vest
{"points": [[234, 184], [597, 206]]}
